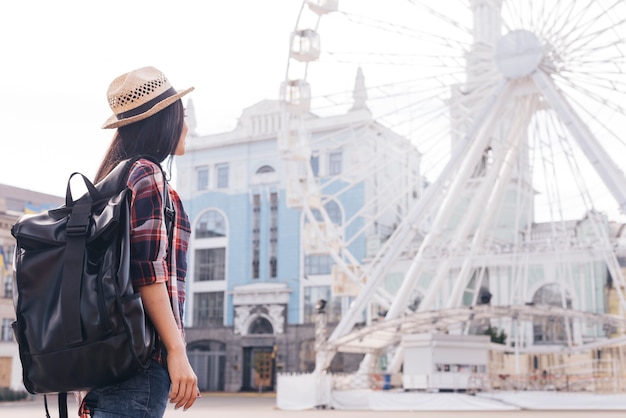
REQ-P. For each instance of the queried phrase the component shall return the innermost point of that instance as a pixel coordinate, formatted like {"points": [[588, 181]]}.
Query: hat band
{"points": [[147, 105]]}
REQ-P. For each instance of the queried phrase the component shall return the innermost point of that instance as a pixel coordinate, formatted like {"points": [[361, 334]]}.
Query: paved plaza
{"points": [[264, 406]]}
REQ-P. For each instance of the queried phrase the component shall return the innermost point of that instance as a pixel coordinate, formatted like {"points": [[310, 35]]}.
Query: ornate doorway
{"points": [[258, 369]]}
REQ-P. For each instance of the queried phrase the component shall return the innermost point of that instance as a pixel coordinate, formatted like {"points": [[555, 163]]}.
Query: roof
{"points": [[17, 200]]}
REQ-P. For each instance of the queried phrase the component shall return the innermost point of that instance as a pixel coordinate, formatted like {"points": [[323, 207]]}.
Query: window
{"points": [[8, 287], [265, 175], [261, 326], [315, 165], [318, 264], [334, 163], [208, 309], [202, 178], [273, 248], [322, 263], [222, 176], [6, 261], [551, 329], [7, 334], [265, 169], [256, 235], [210, 264], [332, 210], [211, 225]]}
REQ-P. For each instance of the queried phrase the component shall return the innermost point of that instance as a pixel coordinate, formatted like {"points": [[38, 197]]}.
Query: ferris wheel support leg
{"points": [[480, 131], [604, 165], [496, 182], [414, 220], [476, 141]]}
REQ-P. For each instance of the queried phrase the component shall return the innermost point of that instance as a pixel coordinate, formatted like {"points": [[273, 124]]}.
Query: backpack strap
{"points": [[62, 405], [169, 213], [76, 232]]}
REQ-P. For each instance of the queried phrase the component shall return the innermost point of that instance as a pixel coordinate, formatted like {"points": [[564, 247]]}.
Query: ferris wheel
{"points": [[517, 110]]}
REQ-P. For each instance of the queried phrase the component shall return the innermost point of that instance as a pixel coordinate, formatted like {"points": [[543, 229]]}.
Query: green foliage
{"points": [[496, 337]]}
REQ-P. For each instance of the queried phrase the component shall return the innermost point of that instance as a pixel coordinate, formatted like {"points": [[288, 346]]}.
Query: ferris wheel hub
{"points": [[518, 54]]}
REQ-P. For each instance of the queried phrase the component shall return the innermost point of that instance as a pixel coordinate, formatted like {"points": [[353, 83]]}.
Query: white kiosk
{"points": [[443, 362]]}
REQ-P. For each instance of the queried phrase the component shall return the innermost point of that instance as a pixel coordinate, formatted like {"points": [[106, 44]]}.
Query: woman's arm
{"points": [[184, 381]]}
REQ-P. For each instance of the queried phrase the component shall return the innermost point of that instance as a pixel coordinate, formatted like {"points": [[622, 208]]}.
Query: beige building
{"points": [[14, 202]]}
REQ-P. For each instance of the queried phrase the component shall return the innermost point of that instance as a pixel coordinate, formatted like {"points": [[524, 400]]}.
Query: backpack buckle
{"points": [[74, 230], [78, 222]]}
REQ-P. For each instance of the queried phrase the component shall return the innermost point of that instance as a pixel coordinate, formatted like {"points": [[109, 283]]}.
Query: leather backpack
{"points": [[80, 324]]}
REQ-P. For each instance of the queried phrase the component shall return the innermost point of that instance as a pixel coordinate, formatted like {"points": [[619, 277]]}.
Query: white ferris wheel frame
{"points": [[518, 56]]}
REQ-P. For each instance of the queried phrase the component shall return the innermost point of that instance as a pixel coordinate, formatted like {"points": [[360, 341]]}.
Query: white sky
{"points": [[58, 58]]}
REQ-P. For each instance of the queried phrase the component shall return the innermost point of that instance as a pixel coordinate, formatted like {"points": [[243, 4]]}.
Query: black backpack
{"points": [[80, 324]]}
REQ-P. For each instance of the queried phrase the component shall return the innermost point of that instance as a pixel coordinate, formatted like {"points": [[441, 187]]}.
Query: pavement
{"points": [[254, 405]]}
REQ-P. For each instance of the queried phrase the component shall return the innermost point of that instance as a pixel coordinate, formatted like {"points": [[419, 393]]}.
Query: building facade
{"points": [[14, 202], [257, 269]]}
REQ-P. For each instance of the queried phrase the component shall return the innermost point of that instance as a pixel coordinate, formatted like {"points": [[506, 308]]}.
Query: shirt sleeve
{"points": [[148, 234]]}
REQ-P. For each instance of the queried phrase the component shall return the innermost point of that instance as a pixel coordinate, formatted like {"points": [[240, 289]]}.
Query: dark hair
{"points": [[156, 136]]}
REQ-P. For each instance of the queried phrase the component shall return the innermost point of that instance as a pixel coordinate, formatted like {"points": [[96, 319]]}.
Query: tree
{"points": [[496, 337]]}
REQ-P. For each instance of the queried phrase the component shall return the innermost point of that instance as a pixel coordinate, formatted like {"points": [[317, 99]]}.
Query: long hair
{"points": [[156, 136]]}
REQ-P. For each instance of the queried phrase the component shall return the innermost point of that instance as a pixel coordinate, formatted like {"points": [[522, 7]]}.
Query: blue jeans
{"points": [[144, 395]]}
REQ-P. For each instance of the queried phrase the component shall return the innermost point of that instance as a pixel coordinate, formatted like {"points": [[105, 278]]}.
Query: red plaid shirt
{"points": [[151, 262]]}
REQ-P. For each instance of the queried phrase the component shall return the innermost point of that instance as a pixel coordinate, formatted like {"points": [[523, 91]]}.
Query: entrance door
{"points": [[258, 369]]}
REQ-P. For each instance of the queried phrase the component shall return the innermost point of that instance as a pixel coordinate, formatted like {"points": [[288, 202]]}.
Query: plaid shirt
{"points": [[151, 262]]}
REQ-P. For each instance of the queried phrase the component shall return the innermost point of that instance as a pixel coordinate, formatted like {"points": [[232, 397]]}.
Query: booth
{"points": [[443, 362]]}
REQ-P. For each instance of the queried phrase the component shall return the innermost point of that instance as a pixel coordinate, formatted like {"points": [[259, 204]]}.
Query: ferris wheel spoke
{"points": [[442, 16], [600, 73], [440, 61], [613, 131], [584, 47], [410, 32], [559, 134], [595, 95]]}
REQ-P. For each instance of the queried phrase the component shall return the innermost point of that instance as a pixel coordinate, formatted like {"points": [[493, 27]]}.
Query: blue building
{"points": [[258, 263]]}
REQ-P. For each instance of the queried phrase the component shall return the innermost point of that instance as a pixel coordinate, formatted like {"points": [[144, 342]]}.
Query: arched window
{"points": [[261, 326], [265, 169], [265, 175], [211, 225], [551, 330], [332, 209]]}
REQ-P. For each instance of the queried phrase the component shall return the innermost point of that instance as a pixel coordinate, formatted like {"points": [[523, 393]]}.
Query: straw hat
{"points": [[139, 94]]}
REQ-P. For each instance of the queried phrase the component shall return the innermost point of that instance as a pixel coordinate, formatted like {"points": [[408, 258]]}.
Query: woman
{"points": [[149, 117]]}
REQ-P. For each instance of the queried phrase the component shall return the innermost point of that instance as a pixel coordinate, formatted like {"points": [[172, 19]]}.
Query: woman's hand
{"points": [[184, 390], [184, 381]]}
